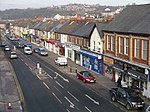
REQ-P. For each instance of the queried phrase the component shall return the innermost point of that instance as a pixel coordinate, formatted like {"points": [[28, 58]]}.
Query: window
{"points": [[96, 64], [113, 43], [121, 45], [108, 42], [126, 46], [144, 49], [137, 48], [94, 45]]}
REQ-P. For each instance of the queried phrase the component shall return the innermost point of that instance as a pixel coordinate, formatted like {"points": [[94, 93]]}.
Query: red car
{"points": [[86, 77]]}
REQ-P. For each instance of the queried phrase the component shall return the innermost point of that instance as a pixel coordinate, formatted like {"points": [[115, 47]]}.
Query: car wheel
{"points": [[113, 98], [128, 106]]}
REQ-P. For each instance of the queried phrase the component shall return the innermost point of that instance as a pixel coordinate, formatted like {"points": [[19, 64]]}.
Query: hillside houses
{"points": [[118, 48]]}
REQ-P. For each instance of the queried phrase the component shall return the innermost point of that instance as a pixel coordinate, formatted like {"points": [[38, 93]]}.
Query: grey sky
{"points": [[7, 4]]}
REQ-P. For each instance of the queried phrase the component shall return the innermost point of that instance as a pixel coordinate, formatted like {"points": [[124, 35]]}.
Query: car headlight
{"points": [[143, 102], [88, 79], [133, 103]]}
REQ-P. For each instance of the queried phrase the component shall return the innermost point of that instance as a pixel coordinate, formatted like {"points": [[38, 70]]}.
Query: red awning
{"points": [[52, 41]]}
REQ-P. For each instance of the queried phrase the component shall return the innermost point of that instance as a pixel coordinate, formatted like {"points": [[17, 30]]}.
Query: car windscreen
{"points": [[87, 74], [132, 94], [13, 53]]}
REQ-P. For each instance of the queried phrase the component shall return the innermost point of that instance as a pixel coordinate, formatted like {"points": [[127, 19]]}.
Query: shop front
{"points": [[72, 52], [118, 71], [135, 77], [51, 44], [59, 48], [108, 70], [92, 61]]}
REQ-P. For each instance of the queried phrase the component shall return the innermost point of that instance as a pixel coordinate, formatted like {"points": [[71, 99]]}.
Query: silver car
{"points": [[13, 55], [43, 52], [7, 48], [148, 109]]}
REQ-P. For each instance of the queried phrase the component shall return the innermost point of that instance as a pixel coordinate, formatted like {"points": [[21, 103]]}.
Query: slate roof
{"points": [[67, 27], [100, 26], [84, 30], [77, 28], [133, 19]]}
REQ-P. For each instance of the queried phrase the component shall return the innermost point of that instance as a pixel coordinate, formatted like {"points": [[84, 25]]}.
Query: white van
{"points": [[61, 61], [27, 50]]}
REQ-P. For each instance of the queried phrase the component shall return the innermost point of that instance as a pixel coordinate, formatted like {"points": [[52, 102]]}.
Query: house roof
{"points": [[67, 27], [100, 26], [77, 28], [84, 30], [133, 19]]}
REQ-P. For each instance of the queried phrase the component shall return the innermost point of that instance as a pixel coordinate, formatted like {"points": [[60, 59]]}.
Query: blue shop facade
{"points": [[92, 61]]}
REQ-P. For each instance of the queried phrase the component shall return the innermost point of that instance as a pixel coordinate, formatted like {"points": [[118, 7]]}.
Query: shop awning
{"points": [[118, 67], [136, 75], [50, 40]]}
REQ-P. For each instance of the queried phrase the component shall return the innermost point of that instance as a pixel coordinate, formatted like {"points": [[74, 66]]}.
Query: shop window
{"points": [[77, 56], [86, 61], [95, 64], [69, 53]]}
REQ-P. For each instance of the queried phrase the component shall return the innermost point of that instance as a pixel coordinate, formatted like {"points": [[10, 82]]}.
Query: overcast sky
{"points": [[8, 4]]}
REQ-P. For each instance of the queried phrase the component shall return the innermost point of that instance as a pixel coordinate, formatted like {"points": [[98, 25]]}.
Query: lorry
{"points": [[127, 97]]}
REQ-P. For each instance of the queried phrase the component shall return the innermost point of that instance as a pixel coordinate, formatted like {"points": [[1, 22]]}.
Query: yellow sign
{"points": [[108, 60]]}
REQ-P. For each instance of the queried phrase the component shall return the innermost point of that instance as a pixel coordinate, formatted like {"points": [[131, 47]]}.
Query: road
{"points": [[54, 90]]}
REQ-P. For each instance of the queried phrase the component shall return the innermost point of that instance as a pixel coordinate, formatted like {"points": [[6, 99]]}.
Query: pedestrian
{"points": [[119, 81]]}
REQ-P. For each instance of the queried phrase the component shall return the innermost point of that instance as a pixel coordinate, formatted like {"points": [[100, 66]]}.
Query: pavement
{"points": [[9, 87]]}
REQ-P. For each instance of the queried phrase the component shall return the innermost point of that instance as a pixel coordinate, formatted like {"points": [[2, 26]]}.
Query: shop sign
{"points": [[131, 74], [90, 53], [75, 47], [108, 60]]}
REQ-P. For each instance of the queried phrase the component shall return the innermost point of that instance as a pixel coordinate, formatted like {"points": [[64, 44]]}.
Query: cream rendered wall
{"points": [[96, 37], [63, 38]]}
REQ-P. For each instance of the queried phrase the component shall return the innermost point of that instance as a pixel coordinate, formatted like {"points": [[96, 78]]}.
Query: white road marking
{"points": [[71, 104], [26, 64], [67, 110], [46, 85], [92, 99], [57, 98], [88, 109], [73, 96], [21, 59], [38, 77], [30, 68], [50, 76], [57, 74], [59, 84]]}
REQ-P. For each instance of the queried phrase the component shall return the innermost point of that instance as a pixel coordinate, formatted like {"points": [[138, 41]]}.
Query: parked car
{"points": [[61, 61], [43, 52], [13, 55], [148, 109], [86, 77], [28, 45], [27, 50], [7, 48], [127, 97], [3, 44], [19, 44], [36, 50]]}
